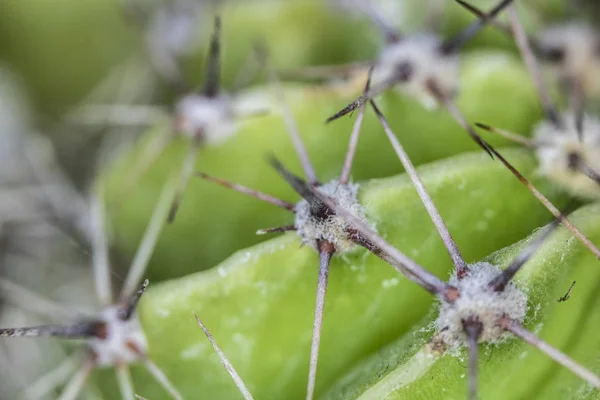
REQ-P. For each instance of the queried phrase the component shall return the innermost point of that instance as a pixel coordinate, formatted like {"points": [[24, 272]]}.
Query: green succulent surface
{"points": [[259, 302]]}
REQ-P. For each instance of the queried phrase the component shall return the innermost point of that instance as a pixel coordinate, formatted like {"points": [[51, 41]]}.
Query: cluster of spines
{"points": [[323, 208]]}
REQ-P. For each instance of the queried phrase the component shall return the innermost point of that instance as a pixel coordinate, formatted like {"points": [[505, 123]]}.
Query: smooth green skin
{"points": [[259, 303], [513, 370], [202, 233]]}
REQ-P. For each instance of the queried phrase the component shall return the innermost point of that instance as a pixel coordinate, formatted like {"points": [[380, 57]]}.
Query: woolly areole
{"points": [[558, 146], [312, 227], [210, 119], [417, 59], [123, 342], [573, 50], [477, 301]]}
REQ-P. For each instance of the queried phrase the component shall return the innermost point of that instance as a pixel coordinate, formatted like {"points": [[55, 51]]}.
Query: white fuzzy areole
{"points": [[421, 51], [209, 119], [580, 43], [333, 229], [556, 145], [476, 300], [116, 348]]}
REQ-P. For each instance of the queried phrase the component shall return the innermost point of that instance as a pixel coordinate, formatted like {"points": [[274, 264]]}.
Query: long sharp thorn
{"points": [[454, 44], [211, 85], [529, 143], [345, 175], [434, 214], [326, 250], [458, 117], [297, 183], [530, 62], [472, 328], [584, 167], [278, 229], [151, 235], [578, 105], [292, 128], [80, 330], [390, 34], [150, 154], [187, 169], [248, 72], [162, 379], [359, 102], [125, 382], [132, 302], [548, 204], [250, 192], [555, 354], [35, 303], [477, 12], [100, 246], [228, 366], [46, 384], [499, 283], [77, 382], [325, 72], [365, 97], [401, 262]]}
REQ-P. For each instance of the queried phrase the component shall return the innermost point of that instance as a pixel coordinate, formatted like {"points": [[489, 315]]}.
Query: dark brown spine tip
{"points": [[99, 329], [451, 294], [505, 323], [472, 326], [462, 272], [326, 247], [483, 126]]}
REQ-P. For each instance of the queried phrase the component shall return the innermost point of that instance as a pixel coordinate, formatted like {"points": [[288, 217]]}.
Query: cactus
{"points": [[437, 273]]}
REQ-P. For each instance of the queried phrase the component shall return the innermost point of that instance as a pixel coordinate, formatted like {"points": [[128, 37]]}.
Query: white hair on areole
{"points": [[486, 305], [421, 52], [556, 146], [580, 44], [210, 118], [124, 343], [333, 229]]}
